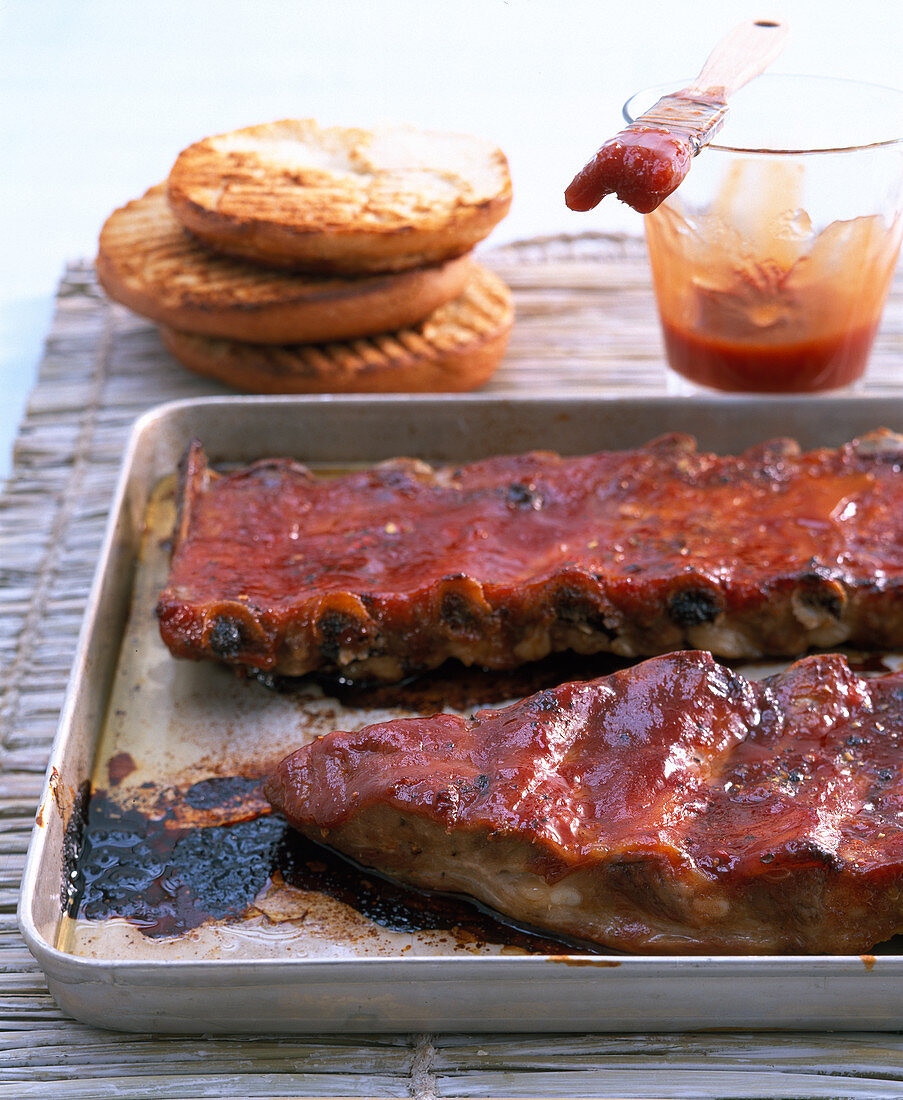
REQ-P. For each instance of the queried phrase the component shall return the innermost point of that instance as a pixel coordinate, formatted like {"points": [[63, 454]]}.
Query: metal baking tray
{"points": [[178, 722]]}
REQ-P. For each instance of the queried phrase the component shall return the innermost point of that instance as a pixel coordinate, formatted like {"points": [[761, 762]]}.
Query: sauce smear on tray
{"points": [[208, 852]]}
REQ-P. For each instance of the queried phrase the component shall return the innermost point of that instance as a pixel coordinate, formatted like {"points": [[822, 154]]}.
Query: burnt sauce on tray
{"points": [[207, 851], [166, 878]]}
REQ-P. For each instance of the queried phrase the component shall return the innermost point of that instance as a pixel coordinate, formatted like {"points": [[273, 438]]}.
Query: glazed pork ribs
{"points": [[383, 572], [671, 807]]}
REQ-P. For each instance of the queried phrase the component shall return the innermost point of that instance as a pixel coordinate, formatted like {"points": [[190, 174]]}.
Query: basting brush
{"points": [[643, 164]]}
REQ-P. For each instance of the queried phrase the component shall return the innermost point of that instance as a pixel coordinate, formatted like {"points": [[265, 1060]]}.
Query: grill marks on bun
{"points": [[340, 200], [147, 261], [294, 258], [456, 348]]}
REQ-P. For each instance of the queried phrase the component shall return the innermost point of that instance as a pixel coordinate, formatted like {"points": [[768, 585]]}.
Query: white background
{"points": [[97, 97]]}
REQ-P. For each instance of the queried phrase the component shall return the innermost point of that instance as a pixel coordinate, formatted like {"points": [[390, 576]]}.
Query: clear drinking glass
{"points": [[772, 261]]}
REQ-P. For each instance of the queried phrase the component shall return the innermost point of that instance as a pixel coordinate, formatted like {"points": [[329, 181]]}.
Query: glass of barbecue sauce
{"points": [[772, 260]]}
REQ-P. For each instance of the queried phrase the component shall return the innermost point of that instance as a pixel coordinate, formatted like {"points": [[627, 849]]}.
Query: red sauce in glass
{"points": [[806, 366]]}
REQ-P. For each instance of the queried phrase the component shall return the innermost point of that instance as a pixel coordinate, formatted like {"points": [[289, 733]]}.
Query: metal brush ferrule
{"points": [[696, 118]]}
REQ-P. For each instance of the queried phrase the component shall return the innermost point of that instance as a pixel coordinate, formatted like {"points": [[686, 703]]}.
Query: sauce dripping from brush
{"points": [[642, 166], [645, 163]]}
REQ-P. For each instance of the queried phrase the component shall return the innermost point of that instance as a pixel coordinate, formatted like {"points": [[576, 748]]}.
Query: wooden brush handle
{"points": [[742, 54]]}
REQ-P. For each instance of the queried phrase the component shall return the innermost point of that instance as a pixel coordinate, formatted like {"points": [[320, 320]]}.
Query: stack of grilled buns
{"points": [[295, 258]]}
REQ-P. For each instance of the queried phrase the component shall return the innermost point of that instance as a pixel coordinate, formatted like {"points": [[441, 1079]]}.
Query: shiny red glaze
{"points": [[677, 767], [677, 756], [405, 557], [808, 366], [816, 784], [278, 535], [572, 764], [642, 166]]}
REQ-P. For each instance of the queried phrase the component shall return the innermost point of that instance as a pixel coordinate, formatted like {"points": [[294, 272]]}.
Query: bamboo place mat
{"points": [[585, 324]]}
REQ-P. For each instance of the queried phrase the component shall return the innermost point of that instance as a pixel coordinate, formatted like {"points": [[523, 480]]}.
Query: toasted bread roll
{"points": [[456, 348], [345, 201], [147, 261]]}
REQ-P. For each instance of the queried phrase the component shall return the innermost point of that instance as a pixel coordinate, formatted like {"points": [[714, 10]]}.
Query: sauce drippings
{"points": [[453, 686], [119, 767]]}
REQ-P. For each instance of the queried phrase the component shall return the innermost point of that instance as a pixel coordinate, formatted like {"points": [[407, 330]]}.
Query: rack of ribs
{"points": [[383, 572], [671, 807]]}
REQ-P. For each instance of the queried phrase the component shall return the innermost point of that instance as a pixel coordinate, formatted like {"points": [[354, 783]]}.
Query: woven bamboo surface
{"points": [[586, 323]]}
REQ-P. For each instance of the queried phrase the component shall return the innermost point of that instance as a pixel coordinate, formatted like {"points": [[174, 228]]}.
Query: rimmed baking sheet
{"points": [[175, 724]]}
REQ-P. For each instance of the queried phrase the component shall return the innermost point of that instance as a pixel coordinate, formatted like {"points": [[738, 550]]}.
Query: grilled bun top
{"points": [[340, 200]]}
